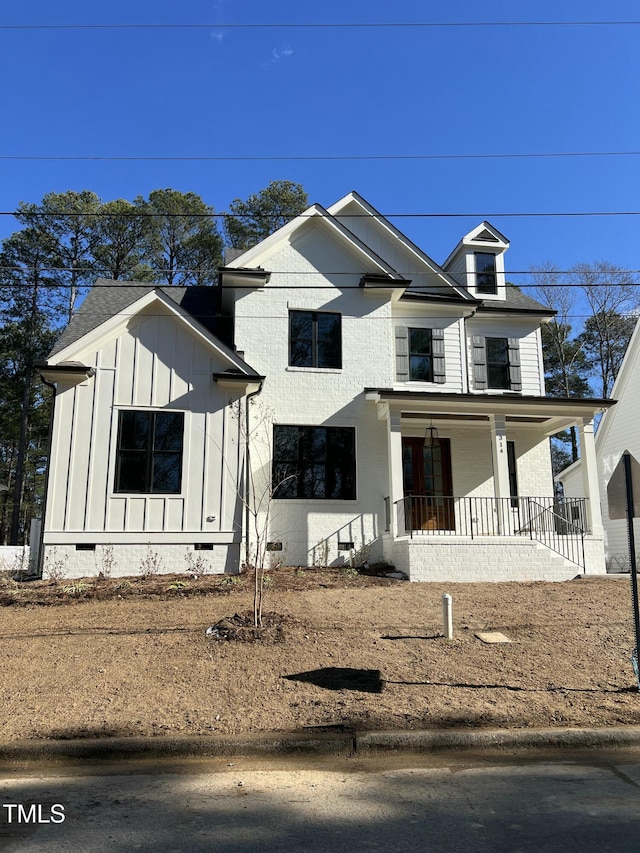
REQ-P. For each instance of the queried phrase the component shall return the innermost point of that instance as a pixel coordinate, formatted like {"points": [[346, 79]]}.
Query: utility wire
{"points": [[106, 315], [435, 274], [313, 157], [321, 26], [135, 214], [126, 283]]}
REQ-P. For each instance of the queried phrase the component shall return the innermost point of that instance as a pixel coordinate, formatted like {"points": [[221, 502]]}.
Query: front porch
{"points": [[537, 537], [471, 492]]}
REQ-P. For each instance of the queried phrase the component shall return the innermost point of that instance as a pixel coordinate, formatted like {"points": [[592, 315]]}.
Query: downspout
{"points": [[45, 495], [464, 353], [247, 463]]}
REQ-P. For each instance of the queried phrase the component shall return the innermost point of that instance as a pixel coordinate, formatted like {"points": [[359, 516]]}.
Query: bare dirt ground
{"points": [[131, 657]]}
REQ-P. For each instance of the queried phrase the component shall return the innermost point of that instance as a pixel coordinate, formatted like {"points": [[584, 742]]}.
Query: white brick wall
{"points": [[66, 562], [321, 397], [501, 559], [310, 530]]}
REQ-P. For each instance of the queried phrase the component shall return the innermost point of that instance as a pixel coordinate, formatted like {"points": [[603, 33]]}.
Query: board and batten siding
{"points": [[154, 365]]}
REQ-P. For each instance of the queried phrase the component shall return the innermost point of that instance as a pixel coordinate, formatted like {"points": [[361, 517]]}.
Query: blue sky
{"points": [[287, 92]]}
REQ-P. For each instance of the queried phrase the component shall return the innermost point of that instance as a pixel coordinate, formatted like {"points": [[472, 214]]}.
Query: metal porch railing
{"points": [[560, 525]]}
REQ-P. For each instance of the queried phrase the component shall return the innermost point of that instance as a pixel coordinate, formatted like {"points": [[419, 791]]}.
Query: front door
{"points": [[426, 471]]}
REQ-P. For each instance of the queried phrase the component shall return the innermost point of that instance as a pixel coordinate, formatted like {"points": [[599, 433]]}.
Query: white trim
{"points": [[97, 336], [140, 537], [353, 197], [315, 213]]}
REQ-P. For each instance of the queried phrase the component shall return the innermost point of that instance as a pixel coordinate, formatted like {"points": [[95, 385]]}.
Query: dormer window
{"points": [[486, 280]]}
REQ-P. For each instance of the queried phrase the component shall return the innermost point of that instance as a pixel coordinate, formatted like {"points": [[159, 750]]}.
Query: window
{"points": [[498, 363], [314, 462], [485, 272], [149, 454], [420, 355], [315, 339]]}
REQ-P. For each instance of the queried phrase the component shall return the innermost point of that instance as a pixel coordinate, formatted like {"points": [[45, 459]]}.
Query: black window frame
{"points": [[314, 341], [148, 454], [416, 356], [486, 279], [313, 463], [494, 365]]}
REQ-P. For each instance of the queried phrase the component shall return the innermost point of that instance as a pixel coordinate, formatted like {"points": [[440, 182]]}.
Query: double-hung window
{"points": [[149, 452], [486, 281], [420, 355], [315, 339], [314, 462], [498, 363]]}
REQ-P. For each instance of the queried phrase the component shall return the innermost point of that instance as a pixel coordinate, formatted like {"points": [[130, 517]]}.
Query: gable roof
{"points": [[354, 197], [107, 299], [319, 214], [485, 232]]}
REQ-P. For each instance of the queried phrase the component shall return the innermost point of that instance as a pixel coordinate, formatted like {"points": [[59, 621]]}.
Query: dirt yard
{"points": [[131, 657]]}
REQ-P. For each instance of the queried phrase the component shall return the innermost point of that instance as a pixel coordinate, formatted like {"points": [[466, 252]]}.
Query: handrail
{"points": [[558, 525], [569, 544]]}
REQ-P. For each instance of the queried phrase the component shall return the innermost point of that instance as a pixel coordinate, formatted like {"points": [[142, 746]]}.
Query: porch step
{"points": [[485, 559]]}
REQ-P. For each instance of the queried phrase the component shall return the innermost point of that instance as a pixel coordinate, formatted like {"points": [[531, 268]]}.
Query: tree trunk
{"points": [[14, 533]]}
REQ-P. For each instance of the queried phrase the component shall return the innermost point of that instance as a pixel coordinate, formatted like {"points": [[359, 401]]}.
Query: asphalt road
{"points": [[398, 804]]}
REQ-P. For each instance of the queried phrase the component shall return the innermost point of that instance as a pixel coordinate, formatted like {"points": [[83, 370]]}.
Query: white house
{"points": [[389, 408], [616, 433]]}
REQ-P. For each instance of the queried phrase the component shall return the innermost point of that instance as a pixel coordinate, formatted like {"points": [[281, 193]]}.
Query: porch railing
{"points": [[560, 525]]}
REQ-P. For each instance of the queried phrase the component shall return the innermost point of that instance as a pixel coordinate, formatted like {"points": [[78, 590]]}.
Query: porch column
{"points": [[396, 486], [500, 468], [589, 469]]}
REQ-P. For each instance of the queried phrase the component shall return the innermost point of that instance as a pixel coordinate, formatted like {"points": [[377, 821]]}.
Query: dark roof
{"points": [[441, 295], [108, 298], [516, 300]]}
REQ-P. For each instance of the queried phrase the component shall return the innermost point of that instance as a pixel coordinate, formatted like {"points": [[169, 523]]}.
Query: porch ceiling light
{"points": [[431, 437]]}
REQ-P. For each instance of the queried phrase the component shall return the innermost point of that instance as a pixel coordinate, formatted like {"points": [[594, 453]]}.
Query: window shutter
{"points": [[515, 374], [479, 363], [437, 352], [402, 354]]}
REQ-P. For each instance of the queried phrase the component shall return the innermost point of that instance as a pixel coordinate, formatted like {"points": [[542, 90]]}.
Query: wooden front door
{"points": [[426, 474]]}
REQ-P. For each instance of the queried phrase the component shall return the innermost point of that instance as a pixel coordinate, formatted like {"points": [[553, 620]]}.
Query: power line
{"points": [[310, 157], [435, 274], [108, 315], [127, 283], [320, 25], [468, 215]]}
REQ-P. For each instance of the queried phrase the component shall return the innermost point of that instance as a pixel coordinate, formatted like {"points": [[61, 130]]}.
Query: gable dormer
{"points": [[477, 263]]}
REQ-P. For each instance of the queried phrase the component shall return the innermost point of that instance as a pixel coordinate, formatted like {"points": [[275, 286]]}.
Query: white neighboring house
{"points": [[401, 403], [616, 433]]}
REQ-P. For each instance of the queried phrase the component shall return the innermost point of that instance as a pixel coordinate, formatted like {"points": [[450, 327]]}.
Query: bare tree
{"points": [[257, 492], [612, 295], [566, 364]]}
